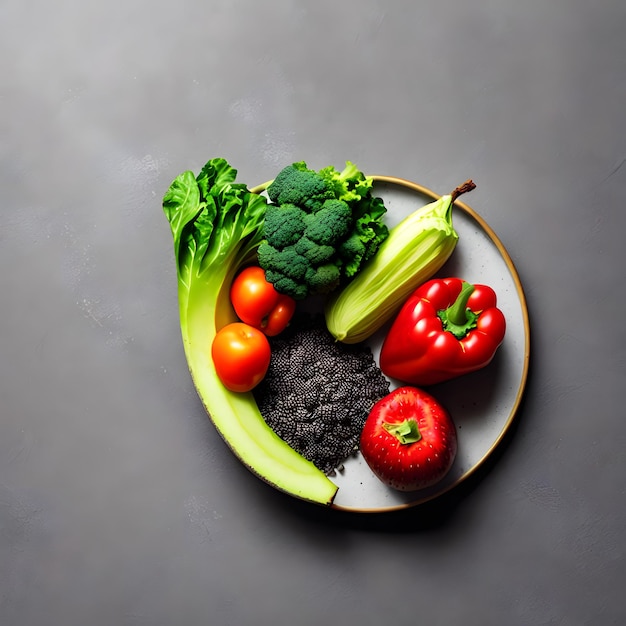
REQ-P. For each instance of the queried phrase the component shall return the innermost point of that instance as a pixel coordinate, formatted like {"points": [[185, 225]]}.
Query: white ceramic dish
{"points": [[483, 404]]}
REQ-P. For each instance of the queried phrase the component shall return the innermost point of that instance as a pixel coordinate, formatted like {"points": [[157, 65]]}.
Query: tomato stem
{"points": [[405, 432]]}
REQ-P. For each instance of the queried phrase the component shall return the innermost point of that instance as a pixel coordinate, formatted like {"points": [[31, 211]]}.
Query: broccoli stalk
{"points": [[320, 228], [217, 225]]}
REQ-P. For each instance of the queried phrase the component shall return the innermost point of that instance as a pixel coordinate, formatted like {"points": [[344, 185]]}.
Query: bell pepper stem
{"points": [[457, 311], [405, 432], [458, 318]]}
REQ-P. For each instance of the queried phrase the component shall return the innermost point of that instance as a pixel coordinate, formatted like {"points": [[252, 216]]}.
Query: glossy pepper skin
{"points": [[446, 328]]}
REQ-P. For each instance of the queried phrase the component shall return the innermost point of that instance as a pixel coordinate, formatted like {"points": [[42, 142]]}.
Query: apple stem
{"points": [[405, 432]]}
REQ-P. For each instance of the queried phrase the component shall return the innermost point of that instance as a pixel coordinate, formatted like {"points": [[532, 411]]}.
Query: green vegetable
{"points": [[414, 251], [217, 225], [320, 228]]}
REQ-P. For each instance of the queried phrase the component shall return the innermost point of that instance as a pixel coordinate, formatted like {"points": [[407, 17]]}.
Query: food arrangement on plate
{"points": [[317, 332]]}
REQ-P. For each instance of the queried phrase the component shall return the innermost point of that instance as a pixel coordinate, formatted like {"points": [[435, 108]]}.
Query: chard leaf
{"points": [[182, 205], [215, 175]]}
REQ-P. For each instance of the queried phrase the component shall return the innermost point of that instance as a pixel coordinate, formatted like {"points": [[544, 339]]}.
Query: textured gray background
{"points": [[119, 504]]}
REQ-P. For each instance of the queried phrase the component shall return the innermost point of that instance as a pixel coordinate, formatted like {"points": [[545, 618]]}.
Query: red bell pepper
{"points": [[446, 328]]}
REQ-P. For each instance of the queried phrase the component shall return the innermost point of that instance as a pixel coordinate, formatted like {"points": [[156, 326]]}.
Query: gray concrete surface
{"points": [[119, 504]]}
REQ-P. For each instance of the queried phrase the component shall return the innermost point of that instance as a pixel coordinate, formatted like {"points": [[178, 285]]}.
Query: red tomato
{"points": [[257, 302], [241, 355]]}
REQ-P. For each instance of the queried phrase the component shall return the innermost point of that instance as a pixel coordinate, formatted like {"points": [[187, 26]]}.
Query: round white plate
{"points": [[482, 404]]}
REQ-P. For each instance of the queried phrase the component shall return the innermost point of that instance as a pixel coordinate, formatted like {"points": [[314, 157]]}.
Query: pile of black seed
{"points": [[318, 392]]}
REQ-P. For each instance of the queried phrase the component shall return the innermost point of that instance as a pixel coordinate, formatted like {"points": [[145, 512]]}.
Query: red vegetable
{"points": [[446, 328], [256, 302], [241, 355], [409, 440]]}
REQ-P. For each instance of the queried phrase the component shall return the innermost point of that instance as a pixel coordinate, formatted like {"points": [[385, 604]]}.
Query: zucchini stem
{"points": [[467, 186]]}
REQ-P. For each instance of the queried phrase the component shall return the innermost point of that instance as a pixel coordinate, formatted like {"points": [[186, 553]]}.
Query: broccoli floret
{"points": [[284, 224], [315, 253], [323, 279], [318, 392], [352, 250], [286, 260], [296, 184], [286, 285], [330, 222], [285, 268]]}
